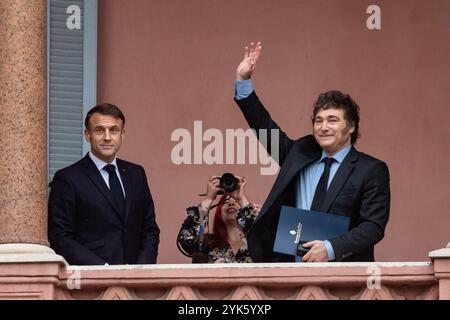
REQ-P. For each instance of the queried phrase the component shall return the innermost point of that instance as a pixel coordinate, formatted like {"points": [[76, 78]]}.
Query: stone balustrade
{"points": [[44, 275]]}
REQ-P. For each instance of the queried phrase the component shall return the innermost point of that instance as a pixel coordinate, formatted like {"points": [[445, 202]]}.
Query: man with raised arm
{"points": [[321, 172]]}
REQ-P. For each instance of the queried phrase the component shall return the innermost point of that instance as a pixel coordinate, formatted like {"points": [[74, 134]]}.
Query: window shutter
{"points": [[67, 85]]}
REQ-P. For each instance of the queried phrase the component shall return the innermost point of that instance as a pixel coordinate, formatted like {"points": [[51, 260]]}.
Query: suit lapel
{"points": [[127, 185], [95, 176], [339, 179], [295, 162]]}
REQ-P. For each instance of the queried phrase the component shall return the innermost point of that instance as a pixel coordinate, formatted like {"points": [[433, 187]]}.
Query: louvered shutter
{"points": [[71, 84]]}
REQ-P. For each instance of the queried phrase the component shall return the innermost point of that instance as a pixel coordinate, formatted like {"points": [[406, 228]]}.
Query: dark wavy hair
{"points": [[338, 100], [106, 109]]}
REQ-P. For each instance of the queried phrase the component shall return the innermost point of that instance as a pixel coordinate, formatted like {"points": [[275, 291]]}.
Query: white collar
{"points": [[99, 163]]}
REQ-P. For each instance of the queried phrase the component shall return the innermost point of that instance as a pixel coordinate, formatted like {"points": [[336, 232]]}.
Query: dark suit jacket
{"points": [[359, 190], [84, 225]]}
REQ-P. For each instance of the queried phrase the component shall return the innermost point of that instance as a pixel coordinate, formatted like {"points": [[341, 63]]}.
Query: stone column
{"points": [[23, 122], [441, 264], [29, 269]]}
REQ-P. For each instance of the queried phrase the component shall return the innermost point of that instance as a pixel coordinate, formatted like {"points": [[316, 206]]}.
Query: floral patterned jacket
{"points": [[194, 241]]}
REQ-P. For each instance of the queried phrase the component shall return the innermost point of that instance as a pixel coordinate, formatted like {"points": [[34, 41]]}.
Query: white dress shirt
{"points": [[100, 164]]}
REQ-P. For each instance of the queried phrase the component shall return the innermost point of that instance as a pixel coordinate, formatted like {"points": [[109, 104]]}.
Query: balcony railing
{"points": [[47, 276]]}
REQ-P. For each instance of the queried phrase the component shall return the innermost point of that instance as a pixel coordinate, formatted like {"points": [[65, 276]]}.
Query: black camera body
{"points": [[228, 182]]}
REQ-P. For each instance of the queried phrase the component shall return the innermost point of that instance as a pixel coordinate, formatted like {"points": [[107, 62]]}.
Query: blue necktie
{"points": [[321, 189], [116, 188]]}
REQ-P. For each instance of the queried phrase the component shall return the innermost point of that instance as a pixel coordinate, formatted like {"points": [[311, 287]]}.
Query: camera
{"points": [[228, 182]]}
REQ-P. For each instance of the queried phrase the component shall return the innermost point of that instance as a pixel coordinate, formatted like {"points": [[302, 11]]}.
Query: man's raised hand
{"points": [[248, 64]]}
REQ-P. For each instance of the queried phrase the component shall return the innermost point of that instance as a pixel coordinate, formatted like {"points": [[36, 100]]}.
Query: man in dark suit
{"points": [[100, 209], [320, 172]]}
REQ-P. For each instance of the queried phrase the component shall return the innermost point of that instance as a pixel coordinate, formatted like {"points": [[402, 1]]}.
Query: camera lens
{"points": [[228, 182]]}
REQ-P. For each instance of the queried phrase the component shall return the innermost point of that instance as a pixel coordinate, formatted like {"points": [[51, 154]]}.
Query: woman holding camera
{"points": [[234, 215]]}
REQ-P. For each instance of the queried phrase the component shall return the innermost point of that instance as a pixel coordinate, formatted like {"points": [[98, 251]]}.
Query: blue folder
{"points": [[298, 225]]}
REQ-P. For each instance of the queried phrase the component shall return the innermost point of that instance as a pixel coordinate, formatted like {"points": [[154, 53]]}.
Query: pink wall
{"points": [[168, 63]]}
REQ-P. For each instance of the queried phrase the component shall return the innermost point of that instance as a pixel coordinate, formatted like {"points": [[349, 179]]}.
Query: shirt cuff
{"points": [[242, 88], [330, 250]]}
